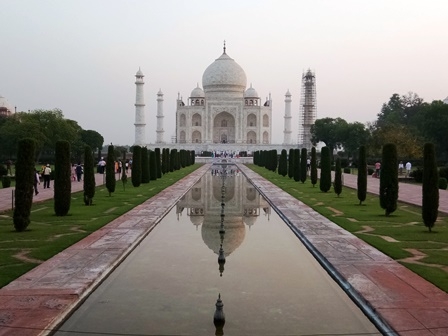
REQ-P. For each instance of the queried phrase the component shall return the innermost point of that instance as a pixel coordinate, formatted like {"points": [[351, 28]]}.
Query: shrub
{"points": [[145, 165], [303, 172], [6, 181], [159, 163], [338, 178], [110, 169], [443, 172], [313, 173], [89, 176], [3, 170], [282, 166], [62, 178], [362, 175], [291, 163], [417, 174], [325, 173], [443, 183], [430, 188], [369, 171], [152, 166], [136, 176], [24, 183], [297, 165], [347, 170], [389, 179]]}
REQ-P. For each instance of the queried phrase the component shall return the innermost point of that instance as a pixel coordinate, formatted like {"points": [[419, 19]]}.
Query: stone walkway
{"points": [[39, 300]]}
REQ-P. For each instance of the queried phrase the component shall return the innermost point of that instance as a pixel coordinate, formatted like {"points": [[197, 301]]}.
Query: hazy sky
{"points": [[82, 55]]}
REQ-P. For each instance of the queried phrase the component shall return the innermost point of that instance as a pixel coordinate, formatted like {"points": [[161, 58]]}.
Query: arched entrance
{"points": [[224, 128]]}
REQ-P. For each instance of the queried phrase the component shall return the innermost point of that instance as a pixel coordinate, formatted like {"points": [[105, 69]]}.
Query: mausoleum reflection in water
{"points": [[171, 284], [203, 205]]}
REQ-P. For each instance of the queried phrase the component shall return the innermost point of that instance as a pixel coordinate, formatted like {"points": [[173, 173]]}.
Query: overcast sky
{"points": [[81, 56]]}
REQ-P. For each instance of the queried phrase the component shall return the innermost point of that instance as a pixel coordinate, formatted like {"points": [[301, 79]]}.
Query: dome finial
{"points": [[224, 46]]}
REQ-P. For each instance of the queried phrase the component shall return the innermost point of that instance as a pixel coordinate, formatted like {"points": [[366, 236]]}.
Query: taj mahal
{"points": [[223, 115]]}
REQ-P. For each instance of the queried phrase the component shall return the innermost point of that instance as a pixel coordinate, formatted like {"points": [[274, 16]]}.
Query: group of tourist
{"points": [[401, 166]]}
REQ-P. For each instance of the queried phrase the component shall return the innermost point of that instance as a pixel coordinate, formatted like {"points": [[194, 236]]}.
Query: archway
{"points": [[224, 128]]}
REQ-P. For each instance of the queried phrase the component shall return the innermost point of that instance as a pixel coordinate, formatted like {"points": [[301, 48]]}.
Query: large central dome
{"points": [[224, 75]]}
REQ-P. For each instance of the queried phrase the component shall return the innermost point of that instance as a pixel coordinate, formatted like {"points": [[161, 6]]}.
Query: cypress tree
{"points": [[303, 165], [145, 165], [362, 175], [110, 170], [389, 179], [24, 183], [152, 166], [274, 160], [430, 188], [136, 176], [282, 166], [62, 178], [313, 173], [89, 176], [262, 158], [325, 169], [158, 163], [291, 163], [338, 177], [297, 165]]}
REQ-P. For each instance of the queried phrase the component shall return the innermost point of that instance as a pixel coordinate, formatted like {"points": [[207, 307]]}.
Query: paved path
{"points": [[40, 299]]}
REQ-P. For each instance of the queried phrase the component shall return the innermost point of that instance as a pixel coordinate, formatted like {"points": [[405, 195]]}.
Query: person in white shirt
{"points": [[400, 168], [408, 168]]}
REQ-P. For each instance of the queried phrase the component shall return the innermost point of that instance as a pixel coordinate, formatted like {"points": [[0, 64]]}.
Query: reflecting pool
{"points": [[220, 263]]}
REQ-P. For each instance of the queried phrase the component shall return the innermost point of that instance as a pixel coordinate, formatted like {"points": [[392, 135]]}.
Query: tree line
{"points": [[406, 120]]}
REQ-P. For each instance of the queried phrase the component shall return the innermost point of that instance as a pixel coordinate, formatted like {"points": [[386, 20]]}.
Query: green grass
{"points": [[405, 225], [48, 234]]}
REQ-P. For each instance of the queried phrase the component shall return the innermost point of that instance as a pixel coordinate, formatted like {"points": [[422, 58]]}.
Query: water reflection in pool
{"points": [[174, 283]]}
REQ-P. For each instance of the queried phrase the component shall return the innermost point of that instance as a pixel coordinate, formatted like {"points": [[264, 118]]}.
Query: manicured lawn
{"points": [[48, 234], [400, 235]]}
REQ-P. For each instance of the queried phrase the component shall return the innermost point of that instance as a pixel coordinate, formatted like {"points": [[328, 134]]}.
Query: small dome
{"points": [[197, 93], [197, 220], [251, 93], [139, 73], [224, 74]]}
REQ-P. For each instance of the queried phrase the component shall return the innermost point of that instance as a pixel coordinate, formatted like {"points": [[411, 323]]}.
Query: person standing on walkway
{"points": [[377, 169], [36, 181], [47, 172], [408, 168], [400, 168], [78, 171]]}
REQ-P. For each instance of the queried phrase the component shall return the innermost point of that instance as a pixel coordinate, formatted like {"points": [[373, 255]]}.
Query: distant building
{"points": [[6, 109], [445, 100]]}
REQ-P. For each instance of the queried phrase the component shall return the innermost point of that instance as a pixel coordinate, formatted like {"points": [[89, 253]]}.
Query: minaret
{"points": [[308, 110], [160, 130], [140, 138], [287, 132]]}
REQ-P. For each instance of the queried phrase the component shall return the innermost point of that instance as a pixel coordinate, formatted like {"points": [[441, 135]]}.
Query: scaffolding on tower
{"points": [[308, 110]]}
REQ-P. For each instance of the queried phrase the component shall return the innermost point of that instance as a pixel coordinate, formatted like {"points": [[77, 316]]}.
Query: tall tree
{"points": [[297, 165], [136, 176], [313, 173], [303, 167], [325, 169], [24, 183], [145, 165], [291, 163], [389, 179], [62, 178], [282, 166], [89, 176], [110, 170], [338, 177], [362, 175], [329, 130], [430, 191]]}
